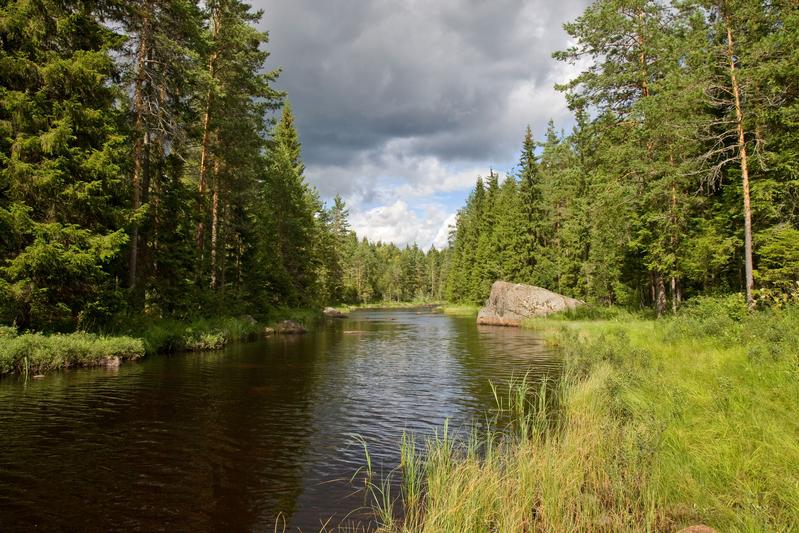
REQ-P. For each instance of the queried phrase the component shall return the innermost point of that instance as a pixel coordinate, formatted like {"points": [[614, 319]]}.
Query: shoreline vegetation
{"points": [[37, 353], [658, 425]]}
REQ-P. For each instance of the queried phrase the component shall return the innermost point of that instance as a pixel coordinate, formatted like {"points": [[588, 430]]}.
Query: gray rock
{"points": [[110, 362], [331, 312], [289, 327], [510, 303]]}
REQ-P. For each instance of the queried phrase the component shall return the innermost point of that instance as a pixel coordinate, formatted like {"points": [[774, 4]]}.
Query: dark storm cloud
{"points": [[360, 73], [415, 90]]}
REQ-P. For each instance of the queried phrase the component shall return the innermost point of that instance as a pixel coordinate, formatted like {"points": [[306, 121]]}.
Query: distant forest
{"points": [[680, 177], [148, 164]]}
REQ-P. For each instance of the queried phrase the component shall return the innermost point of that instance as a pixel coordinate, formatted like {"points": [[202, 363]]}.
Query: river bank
{"points": [[133, 338], [661, 425]]}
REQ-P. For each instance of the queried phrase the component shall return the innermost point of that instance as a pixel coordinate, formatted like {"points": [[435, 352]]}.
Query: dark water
{"points": [[231, 440]]}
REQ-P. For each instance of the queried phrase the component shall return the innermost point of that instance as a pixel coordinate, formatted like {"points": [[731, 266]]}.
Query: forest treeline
{"points": [[149, 164], [680, 176]]}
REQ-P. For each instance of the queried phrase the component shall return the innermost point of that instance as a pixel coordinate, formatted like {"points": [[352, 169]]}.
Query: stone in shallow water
{"points": [[331, 312], [289, 327], [510, 303]]}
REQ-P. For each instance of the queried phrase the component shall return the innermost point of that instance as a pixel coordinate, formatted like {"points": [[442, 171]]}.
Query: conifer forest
{"points": [[256, 284]]}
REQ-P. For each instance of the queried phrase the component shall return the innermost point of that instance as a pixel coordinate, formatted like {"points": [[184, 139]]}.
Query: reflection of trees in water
{"points": [[199, 441], [496, 354]]}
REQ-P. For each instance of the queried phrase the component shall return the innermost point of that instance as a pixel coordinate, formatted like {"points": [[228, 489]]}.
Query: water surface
{"points": [[258, 432]]}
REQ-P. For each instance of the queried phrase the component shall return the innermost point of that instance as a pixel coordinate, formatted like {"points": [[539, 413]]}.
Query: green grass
{"points": [[660, 425], [36, 353], [461, 309]]}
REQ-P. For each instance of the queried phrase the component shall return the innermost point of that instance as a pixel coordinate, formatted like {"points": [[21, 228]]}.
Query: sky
{"points": [[402, 104]]}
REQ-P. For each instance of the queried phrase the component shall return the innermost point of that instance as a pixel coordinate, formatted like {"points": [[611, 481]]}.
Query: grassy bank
{"points": [[36, 353], [460, 310], [132, 338], [661, 425]]}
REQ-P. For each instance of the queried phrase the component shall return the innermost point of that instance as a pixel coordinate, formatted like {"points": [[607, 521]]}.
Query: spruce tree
{"points": [[62, 148]]}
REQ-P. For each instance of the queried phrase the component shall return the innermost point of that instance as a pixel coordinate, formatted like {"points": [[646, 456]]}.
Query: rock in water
{"points": [[331, 312], [510, 303], [289, 327]]}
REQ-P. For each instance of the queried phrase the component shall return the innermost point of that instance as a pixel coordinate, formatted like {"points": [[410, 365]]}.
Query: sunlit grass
{"points": [[460, 310]]}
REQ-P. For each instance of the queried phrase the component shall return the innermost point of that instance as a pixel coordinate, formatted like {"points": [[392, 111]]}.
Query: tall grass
{"points": [[36, 353], [658, 425]]}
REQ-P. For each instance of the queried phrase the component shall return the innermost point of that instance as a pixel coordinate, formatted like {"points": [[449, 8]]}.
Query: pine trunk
{"points": [[214, 225], [139, 148], [660, 290], [739, 123], [205, 146]]}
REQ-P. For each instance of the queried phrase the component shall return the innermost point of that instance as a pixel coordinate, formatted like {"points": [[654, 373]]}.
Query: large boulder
{"points": [[510, 303]]}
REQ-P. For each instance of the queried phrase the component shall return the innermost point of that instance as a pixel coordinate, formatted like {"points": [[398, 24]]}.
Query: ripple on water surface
{"points": [[235, 438]]}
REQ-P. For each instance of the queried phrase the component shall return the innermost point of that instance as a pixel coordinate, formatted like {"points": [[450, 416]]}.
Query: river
{"points": [[243, 437]]}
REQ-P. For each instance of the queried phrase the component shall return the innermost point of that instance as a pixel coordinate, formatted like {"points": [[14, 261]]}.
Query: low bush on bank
{"points": [[661, 425], [165, 335], [37, 353]]}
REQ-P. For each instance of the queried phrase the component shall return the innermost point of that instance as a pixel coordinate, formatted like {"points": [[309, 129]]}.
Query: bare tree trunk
{"points": [[653, 283], [660, 289], [674, 298], [739, 124], [223, 251], [214, 224], [206, 138], [139, 147]]}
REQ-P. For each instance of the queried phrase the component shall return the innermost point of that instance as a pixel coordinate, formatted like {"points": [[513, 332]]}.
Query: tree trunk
{"points": [[739, 124], [214, 224], [139, 148], [652, 290], [223, 252], [660, 289], [676, 297], [205, 146]]}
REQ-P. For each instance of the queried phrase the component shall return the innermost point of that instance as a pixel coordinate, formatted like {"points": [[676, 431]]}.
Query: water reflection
{"points": [[230, 439]]}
